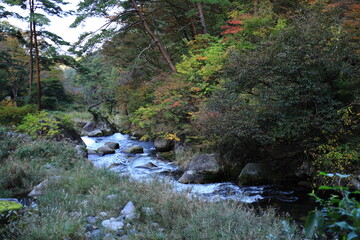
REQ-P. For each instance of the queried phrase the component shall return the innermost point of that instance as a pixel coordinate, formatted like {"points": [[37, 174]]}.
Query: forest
{"points": [[271, 85]]}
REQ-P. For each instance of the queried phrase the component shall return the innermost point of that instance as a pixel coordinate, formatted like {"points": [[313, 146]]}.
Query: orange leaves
{"points": [[176, 104], [235, 24]]}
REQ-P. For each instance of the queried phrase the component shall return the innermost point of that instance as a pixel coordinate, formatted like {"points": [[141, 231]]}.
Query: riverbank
{"points": [[76, 205]]}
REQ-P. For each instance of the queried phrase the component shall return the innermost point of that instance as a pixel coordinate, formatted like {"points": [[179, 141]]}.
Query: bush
{"points": [[40, 124], [10, 115], [339, 217]]}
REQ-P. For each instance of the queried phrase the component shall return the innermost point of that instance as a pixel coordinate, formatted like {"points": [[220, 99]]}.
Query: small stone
{"points": [[108, 236], [149, 165], [113, 165], [161, 229], [129, 211], [112, 224], [96, 234], [91, 219], [148, 210], [125, 237], [154, 224], [89, 228], [112, 196], [103, 214]]}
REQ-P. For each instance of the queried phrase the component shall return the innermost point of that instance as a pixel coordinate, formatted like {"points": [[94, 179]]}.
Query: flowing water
{"points": [[143, 166]]}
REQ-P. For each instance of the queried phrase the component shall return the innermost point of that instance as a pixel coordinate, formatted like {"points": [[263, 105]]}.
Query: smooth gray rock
{"points": [[81, 151], [134, 149], [203, 168], [103, 214], [129, 211], [92, 151], [105, 150], [112, 224], [96, 133], [149, 165], [91, 219], [113, 145]]}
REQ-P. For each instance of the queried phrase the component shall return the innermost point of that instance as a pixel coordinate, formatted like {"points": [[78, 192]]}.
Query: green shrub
{"points": [[339, 217], [10, 115], [40, 124]]}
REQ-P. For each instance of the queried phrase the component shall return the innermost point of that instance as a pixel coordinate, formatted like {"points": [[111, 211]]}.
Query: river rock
{"points": [[6, 206], [41, 187], [129, 211], [113, 165], [149, 165], [255, 174], [105, 150], [203, 168], [81, 151], [92, 151], [96, 133], [106, 129], [134, 149], [113, 145], [163, 145], [112, 224]]}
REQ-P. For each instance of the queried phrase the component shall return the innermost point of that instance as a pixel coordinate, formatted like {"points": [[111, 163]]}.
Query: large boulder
{"points": [[203, 168], [256, 174], [134, 149], [105, 150], [163, 145], [106, 128]]}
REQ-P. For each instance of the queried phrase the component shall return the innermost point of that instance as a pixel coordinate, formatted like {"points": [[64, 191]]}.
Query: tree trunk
{"points": [[202, 18], [31, 73], [38, 85], [153, 37], [15, 91], [255, 3]]}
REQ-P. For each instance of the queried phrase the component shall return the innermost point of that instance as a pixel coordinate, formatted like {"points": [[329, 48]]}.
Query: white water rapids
{"points": [[133, 165]]}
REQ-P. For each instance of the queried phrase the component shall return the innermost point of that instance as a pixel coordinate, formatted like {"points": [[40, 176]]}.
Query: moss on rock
{"points": [[6, 206]]}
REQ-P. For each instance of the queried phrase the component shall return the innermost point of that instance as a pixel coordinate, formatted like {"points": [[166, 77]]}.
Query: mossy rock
{"points": [[6, 206]]}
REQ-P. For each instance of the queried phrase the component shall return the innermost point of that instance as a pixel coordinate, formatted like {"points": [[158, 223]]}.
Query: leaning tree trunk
{"points": [[38, 83], [153, 37]]}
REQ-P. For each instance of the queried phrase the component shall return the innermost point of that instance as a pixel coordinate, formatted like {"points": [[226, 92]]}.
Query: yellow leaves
{"points": [[201, 58], [172, 136]]}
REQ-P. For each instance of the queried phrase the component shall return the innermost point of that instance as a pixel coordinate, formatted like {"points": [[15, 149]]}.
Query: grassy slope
{"points": [[83, 191]]}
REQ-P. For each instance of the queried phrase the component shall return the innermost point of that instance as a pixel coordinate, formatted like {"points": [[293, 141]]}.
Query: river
{"points": [[146, 166]]}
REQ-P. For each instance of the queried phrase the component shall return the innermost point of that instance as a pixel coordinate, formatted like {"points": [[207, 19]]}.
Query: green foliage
{"points": [[11, 115], [284, 89], [339, 217], [40, 124], [6, 206]]}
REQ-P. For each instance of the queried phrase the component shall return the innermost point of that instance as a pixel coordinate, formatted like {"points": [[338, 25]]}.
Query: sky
{"points": [[61, 26]]}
